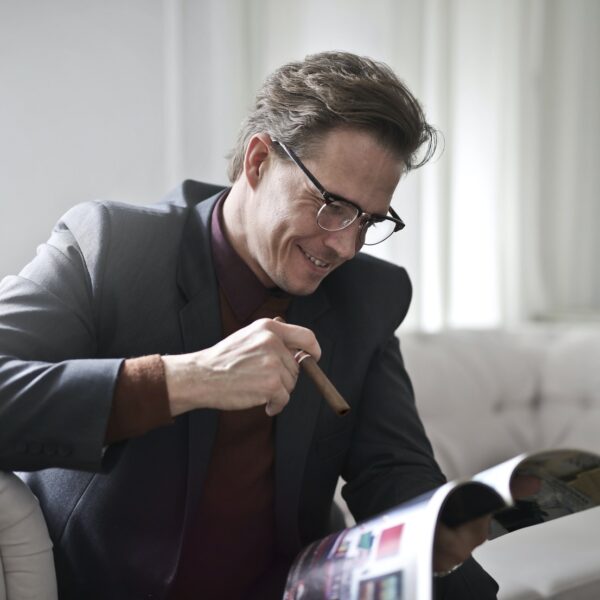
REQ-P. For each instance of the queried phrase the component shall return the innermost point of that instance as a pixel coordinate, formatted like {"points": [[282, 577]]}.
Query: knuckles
{"points": [[271, 363], [272, 385], [265, 339], [259, 359], [270, 331]]}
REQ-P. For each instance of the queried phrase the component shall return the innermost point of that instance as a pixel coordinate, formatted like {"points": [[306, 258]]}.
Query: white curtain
{"points": [[568, 215], [502, 227], [123, 100]]}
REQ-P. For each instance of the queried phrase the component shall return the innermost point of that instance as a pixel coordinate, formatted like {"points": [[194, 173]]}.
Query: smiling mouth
{"points": [[319, 263]]}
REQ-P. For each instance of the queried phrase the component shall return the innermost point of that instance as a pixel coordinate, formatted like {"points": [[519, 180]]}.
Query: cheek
{"points": [[289, 226]]}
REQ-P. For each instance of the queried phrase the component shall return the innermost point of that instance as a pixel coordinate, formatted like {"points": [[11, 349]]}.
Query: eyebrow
{"points": [[320, 187], [356, 205], [335, 196]]}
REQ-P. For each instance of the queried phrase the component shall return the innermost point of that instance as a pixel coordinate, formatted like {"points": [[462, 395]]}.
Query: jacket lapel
{"points": [[295, 426], [200, 320]]}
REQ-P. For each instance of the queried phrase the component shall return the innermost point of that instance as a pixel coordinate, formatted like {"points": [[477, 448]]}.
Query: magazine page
{"points": [[375, 560], [543, 486], [389, 557]]}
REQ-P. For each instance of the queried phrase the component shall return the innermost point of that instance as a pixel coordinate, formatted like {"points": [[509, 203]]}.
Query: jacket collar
{"points": [[200, 322], [295, 425]]}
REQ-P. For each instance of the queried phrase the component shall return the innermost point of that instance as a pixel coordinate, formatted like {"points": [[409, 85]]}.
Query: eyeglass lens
{"points": [[338, 215]]}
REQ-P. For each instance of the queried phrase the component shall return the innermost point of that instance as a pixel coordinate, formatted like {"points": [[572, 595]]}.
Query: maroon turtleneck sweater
{"points": [[229, 548]]}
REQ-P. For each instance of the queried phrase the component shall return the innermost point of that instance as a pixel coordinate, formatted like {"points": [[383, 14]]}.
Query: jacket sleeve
{"points": [[55, 399], [470, 582], [391, 460]]}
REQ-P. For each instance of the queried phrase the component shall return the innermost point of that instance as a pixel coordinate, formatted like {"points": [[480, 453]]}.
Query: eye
{"points": [[337, 209]]}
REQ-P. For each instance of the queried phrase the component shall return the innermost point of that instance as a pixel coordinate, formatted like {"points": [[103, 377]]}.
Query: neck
{"points": [[233, 220], [236, 227]]}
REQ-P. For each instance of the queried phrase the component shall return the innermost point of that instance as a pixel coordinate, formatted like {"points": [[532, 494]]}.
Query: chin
{"points": [[300, 288], [303, 291], [302, 284]]}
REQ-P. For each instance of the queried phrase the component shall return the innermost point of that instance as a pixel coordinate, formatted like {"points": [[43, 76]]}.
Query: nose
{"points": [[344, 242]]}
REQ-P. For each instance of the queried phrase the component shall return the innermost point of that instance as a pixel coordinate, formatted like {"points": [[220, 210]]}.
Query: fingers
{"points": [[295, 337], [288, 377], [454, 545], [281, 340], [477, 531], [522, 486], [291, 366]]}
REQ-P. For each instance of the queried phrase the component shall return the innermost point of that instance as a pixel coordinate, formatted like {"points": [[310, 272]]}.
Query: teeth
{"points": [[316, 261]]}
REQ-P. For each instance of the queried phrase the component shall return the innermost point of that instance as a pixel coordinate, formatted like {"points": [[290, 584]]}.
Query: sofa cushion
{"points": [[557, 560], [476, 393], [570, 391]]}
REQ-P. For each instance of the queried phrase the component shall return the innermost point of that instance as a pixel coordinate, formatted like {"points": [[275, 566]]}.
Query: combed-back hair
{"points": [[302, 101]]}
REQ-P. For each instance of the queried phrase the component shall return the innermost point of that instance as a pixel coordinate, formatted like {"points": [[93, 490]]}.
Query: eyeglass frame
{"points": [[328, 198]]}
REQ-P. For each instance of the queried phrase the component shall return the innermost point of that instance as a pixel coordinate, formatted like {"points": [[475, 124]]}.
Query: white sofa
{"points": [[486, 396], [26, 562]]}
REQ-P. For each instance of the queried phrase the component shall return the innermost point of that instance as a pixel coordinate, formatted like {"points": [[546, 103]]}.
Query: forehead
{"points": [[355, 165]]}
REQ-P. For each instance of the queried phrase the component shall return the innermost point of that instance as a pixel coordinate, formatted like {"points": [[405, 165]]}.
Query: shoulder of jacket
{"points": [[368, 286], [112, 233], [370, 270], [173, 209], [101, 221]]}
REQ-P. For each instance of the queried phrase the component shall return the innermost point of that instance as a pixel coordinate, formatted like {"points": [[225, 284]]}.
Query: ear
{"points": [[257, 152]]}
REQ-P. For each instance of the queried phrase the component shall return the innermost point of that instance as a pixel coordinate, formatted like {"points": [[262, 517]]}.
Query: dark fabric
{"points": [[119, 281], [470, 581], [235, 520]]}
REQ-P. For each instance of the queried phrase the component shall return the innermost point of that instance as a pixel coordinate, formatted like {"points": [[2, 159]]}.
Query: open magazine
{"points": [[390, 556]]}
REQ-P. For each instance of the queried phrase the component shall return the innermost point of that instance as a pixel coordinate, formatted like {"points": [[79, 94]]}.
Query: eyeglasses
{"points": [[337, 213]]}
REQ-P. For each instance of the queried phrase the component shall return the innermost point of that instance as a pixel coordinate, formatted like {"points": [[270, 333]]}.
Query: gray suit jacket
{"points": [[117, 281]]}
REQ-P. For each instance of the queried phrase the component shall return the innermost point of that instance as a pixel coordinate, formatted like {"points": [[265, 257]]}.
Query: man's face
{"points": [[286, 247]]}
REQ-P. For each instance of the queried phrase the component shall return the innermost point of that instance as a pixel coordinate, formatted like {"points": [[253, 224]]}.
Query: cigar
{"points": [[324, 385], [321, 381]]}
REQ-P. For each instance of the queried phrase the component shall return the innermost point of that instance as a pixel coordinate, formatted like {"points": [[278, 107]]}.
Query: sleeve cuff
{"points": [[140, 402]]}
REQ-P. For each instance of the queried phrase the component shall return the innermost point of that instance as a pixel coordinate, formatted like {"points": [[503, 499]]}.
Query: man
{"points": [[140, 354]]}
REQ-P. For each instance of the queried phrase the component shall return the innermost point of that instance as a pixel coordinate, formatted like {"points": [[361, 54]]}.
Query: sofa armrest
{"points": [[26, 561]]}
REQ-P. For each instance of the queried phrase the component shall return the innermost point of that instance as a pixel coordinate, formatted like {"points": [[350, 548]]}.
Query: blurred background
{"points": [[123, 100]]}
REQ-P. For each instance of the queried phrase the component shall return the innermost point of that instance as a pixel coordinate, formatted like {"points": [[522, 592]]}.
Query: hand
{"points": [[453, 545], [523, 486], [251, 367]]}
